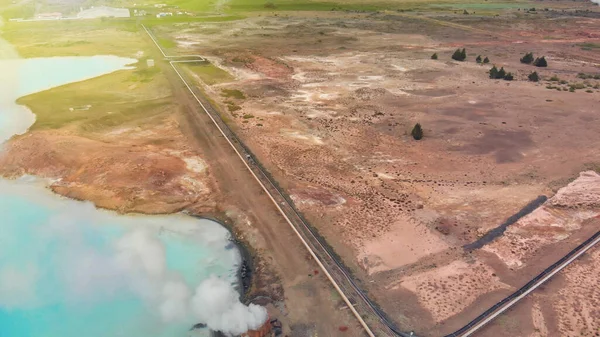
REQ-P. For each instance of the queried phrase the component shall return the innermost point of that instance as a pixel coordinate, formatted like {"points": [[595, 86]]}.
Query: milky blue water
{"points": [[70, 270]]}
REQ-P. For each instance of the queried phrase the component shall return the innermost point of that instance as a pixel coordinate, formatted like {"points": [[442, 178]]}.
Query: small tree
{"points": [[508, 77], [501, 73], [527, 59], [493, 72], [540, 62], [417, 132], [434, 56], [459, 55], [534, 77], [478, 59], [486, 60]]}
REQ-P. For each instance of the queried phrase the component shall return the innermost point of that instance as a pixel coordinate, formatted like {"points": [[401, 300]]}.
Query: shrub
{"points": [[501, 73], [270, 5], [571, 89], [540, 62], [508, 77], [434, 56], [459, 55], [486, 60], [554, 78], [589, 91], [534, 77], [527, 59], [478, 59], [417, 132], [493, 72]]}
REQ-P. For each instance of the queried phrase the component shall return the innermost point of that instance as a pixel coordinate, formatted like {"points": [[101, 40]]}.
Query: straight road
{"points": [[361, 306]]}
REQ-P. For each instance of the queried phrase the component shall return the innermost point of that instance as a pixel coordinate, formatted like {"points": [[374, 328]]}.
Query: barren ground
{"points": [[327, 101]]}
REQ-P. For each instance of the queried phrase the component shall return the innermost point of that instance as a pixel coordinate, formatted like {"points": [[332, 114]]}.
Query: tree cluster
{"points": [[459, 55], [479, 60], [527, 59], [540, 62], [500, 74]]}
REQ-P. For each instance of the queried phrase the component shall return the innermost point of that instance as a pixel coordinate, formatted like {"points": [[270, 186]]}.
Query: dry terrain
{"points": [[327, 101], [134, 141]]}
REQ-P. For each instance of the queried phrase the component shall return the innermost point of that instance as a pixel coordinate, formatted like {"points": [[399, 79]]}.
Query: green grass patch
{"points": [[167, 43], [210, 74], [75, 38], [589, 46], [102, 102], [232, 93]]}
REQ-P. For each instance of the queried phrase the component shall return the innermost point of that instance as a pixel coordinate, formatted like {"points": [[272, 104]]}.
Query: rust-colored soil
{"points": [[330, 101]]}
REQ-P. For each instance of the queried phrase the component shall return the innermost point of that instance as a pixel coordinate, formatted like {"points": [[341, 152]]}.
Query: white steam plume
{"points": [[215, 302], [135, 264]]}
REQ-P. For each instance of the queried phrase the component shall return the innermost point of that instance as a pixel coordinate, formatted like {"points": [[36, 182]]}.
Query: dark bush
{"points": [[493, 72], [486, 60], [540, 62], [417, 132], [527, 59], [508, 77], [501, 73], [534, 77], [459, 55], [478, 59], [434, 56]]}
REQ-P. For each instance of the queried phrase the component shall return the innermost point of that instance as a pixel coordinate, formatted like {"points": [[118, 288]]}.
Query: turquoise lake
{"points": [[68, 269]]}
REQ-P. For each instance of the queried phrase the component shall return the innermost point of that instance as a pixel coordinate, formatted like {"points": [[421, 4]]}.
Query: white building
{"points": [[103, 11]]}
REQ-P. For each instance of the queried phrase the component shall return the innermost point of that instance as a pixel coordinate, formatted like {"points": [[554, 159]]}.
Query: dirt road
{"points": [[309, 306]]}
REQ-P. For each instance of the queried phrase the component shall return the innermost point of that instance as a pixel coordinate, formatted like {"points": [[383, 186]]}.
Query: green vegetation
{"points": [[554, 79], [486, 60], [534, 77], [478, 59], [248, 116], [459, 55], [75, 38], [588, 76], [540, 62], [499, 74], [589, 46], [209, 73], [527, 59], [232, 107], [233, 93], [434, 56], [126, 96], [166, 43], [417, 132], [508, 77]]}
